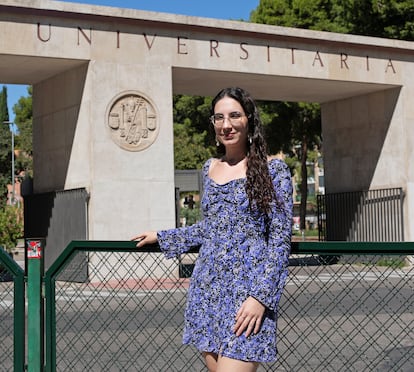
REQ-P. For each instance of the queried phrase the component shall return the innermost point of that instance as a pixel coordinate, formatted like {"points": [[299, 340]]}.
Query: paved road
{"points": [[332, 318]]}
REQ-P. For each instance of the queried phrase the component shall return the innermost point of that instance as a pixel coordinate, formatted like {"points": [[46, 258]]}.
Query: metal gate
{"points": [[12, 315], [373, 215], [356, 314], [59, 217]]}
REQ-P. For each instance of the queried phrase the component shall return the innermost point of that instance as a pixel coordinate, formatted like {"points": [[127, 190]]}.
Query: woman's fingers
{"points": [[249, 317], [248, 324], [148, 237], [140, 242], [138, 237]]}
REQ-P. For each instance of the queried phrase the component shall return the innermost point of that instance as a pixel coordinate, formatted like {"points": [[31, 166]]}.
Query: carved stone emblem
{"points": [[132, 121]]}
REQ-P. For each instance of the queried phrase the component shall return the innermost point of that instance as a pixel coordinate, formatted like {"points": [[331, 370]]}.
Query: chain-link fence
{"points": [[12, 353], [347, 313], [122, 310]]}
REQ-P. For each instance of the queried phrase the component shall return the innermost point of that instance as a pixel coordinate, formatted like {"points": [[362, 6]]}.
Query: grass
{"points": [[395, 263]]}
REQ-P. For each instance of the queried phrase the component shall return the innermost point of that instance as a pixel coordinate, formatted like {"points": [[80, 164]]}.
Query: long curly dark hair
{"points": [[259, 186]]}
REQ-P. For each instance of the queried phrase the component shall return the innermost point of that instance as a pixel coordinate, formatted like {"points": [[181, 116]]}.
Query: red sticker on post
{"points": [[34, 249]]}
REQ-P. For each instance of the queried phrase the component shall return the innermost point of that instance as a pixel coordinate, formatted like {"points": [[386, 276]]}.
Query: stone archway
{"points": [[83, 59]]}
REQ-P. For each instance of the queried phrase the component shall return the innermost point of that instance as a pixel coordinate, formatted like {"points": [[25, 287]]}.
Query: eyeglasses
{"points": [[234, 118]]}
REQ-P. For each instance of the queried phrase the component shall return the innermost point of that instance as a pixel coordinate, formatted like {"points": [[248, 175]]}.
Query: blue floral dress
{"points": [[237, 259]]}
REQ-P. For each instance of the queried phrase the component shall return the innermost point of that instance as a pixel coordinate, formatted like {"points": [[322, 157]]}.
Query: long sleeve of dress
{"points": [[271, 264], [176, 241]]}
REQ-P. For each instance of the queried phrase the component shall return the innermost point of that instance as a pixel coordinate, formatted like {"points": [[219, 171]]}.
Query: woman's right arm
{"points": [[174, 242]]}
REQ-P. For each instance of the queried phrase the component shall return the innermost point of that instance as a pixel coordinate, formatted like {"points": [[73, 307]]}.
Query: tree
{"points": [[5, 148], [295, 129], [307, 128], [190, 151], [24, 119], [11, 218], [322, 15], [192, 140], [392, 19], [381, 18]]}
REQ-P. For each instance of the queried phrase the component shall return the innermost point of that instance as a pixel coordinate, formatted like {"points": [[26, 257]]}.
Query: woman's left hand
{"points": [[249, 317]]}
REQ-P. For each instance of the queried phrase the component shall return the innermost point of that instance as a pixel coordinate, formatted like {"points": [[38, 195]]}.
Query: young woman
{"points": [[244, 236]]}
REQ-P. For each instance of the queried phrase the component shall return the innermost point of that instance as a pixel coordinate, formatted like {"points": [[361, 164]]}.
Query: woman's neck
{"points": [[233, 158]]}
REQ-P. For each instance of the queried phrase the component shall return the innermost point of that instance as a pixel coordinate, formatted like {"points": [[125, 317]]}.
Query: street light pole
{"points": [[10, 124]]}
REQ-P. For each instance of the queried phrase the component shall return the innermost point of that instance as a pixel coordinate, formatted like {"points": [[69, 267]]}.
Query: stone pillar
{"points": [[364, 138], [131, 186], [130, 190]]}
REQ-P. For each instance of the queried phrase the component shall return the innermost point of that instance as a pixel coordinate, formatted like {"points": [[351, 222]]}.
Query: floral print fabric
{"points": [[237, 259]]}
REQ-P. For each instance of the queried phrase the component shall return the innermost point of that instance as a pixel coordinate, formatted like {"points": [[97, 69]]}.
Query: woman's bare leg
{"points": [[225, 364], [211, 361]]}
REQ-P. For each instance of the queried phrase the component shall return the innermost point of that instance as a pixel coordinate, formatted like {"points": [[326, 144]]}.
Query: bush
{"points": [[191, 215], [11, 226]]}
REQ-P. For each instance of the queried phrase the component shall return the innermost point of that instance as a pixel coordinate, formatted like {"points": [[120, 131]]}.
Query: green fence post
{"points": [[19, 311], [35, 349]]}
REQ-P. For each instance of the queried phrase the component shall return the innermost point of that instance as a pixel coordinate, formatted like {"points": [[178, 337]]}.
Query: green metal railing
{"points": [[111, 307], [347, 306], [12, 314], [78, 279]]}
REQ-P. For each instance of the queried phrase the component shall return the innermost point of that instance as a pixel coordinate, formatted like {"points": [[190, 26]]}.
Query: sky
{"points": [[220, 9]]}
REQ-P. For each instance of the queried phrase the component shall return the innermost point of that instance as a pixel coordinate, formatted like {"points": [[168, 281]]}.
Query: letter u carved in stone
{"points": [[39, 36]]}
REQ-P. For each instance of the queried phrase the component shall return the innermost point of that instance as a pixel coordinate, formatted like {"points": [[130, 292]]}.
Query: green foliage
{"points": [[23, 119], [310, 14], [11, 226], [5, 148], [392, 19], [190, 151], [11, 217], [196, 109], [382, 18], [287, 124], [192, 142], [4, 111], [277, 120], [191, 215], [392, 262]]}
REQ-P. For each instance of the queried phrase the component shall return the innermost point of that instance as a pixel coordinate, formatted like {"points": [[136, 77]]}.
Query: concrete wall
{"points": [[367, 142], [61, 131], [361, 138]]}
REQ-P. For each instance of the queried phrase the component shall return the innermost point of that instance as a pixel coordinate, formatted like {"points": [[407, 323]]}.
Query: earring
{"points": [[250, 140], [217, 142]]}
